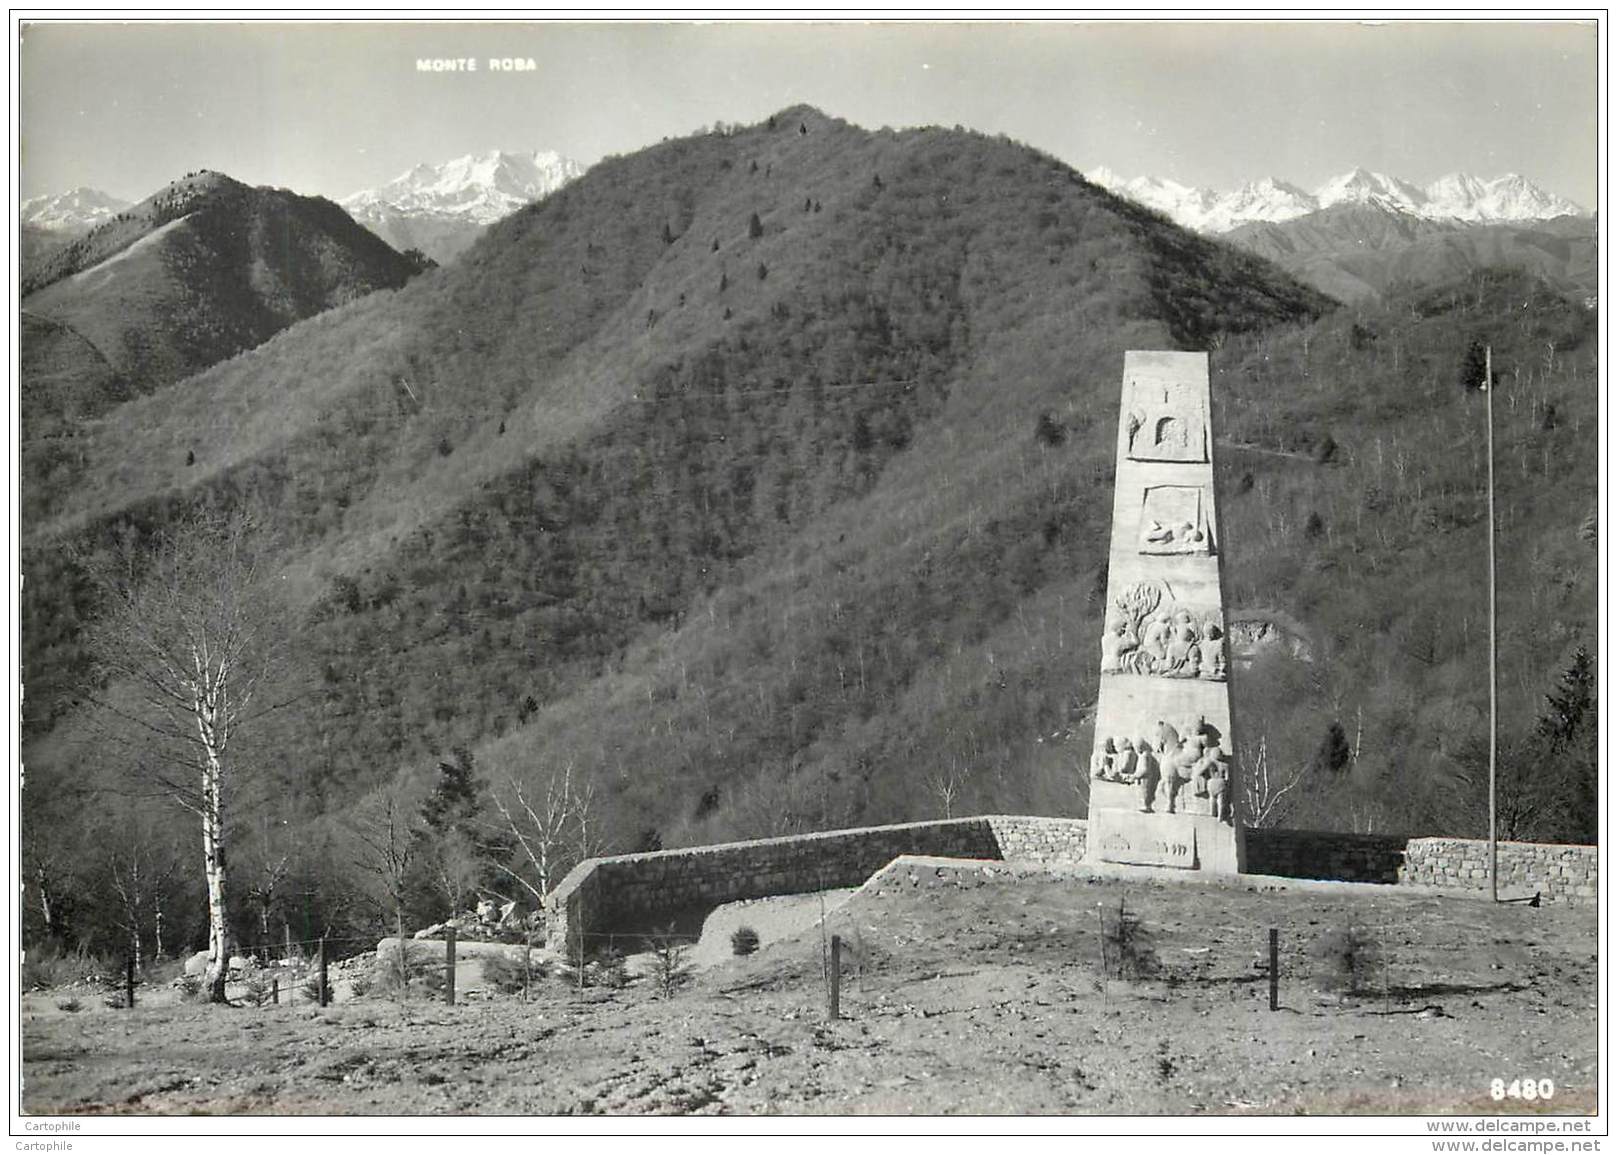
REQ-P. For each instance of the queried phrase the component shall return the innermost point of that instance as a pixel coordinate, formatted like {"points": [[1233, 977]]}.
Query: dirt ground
{"points": [[988, 1000]]}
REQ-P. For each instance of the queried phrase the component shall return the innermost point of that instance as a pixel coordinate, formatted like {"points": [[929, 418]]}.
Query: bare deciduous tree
{"points": [[946, 786], [384, 831], [554, 831], [139, 869], [1264, 793], [186, 645]]}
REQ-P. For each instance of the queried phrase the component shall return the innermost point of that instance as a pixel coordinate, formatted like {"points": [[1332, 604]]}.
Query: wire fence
{"points": [[1375, 965]]}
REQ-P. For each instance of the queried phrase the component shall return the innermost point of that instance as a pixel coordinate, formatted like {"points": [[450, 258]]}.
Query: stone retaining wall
{"points": [[1555, 871], [633, 894], [637, 894]]}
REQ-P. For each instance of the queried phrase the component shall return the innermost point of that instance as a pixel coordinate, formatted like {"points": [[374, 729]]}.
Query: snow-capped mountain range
{"points": [[441, 209], [77, 210], [480, 188], [1458, 197]]}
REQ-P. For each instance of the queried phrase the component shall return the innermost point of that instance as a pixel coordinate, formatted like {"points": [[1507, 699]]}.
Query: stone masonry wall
{"points": [[637, 893], [1556, 871], [1029, 839], [634, 893], [631, 893]]}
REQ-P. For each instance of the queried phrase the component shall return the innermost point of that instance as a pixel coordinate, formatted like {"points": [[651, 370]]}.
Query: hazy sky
{"points": [[333, 108]]}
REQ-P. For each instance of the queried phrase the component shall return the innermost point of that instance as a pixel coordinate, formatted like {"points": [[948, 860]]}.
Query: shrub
{"points": [[255, 987], [668, 962], [513, 974], [744, 941], [1346, 958], [70, 1004], [607, 970], [1126, 948], [413, 972], [190, 987], [50, 966], [1050, 431]]}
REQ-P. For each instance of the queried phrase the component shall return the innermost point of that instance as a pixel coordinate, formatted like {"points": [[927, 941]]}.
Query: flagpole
{"points": [[1493, 667]]}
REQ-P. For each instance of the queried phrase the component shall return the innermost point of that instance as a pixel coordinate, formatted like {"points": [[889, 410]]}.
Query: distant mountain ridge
{"points": [[77, 210], [1357, 251], [1457, 197], [441, 208], [201, 270]]}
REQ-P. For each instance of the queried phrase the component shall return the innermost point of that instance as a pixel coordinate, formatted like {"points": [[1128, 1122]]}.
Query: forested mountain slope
{"points": [[199, 271], [763, 478]]}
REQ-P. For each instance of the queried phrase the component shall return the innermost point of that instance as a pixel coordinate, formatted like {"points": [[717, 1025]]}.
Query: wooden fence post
{"points": [[449, 968], [1274, 968], [129, 984], [836, 976], [325, 991], [275, 991]]}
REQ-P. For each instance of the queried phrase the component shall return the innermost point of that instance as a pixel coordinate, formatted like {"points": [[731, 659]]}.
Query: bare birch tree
{"points": [[185, 646], [554, 831], [139, 870], [1264, 791]]}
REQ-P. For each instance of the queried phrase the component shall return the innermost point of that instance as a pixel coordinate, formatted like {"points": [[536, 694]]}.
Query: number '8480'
{"points": [[1522, 1089]]}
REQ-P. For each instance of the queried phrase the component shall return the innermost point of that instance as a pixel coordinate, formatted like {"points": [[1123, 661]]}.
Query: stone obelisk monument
{"points": [[1161, 790]]}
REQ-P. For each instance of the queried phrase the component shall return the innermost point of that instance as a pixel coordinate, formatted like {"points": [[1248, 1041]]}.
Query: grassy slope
{"points": [[779, 568], [203, 269]]}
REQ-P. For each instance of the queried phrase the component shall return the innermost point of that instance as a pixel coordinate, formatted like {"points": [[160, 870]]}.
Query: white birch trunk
{"points": [[213, 850]]}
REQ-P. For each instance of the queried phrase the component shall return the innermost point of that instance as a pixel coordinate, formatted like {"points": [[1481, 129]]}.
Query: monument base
{"points": [[1182, 841]]}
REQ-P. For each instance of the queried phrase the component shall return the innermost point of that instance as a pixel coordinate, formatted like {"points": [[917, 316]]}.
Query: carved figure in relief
{"points": [[1154, 641], [1115, 646], [1212, 780], [1178, 765], [1183, 642], [1147, 774], [1100, 762], [1183, 537], [1125, 762], [1212, 652]]}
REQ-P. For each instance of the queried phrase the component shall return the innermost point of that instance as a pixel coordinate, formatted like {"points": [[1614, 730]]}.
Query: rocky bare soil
{"points": [[986, 1000]]}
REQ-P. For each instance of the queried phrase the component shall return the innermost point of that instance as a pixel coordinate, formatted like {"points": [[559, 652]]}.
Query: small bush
{"points": [[668, 962], [512, 974], [607, 970], [1126, 948], [190, 987], [255, 987], [70, 1005], [744, 941], [421, 972], [50, 966], [1346, 958]]}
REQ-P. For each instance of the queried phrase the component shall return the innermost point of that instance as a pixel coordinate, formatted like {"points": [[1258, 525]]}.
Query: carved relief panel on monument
{"points": [[1169, 773], [1166, 422], [1147, 632], [1173, 519]]}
